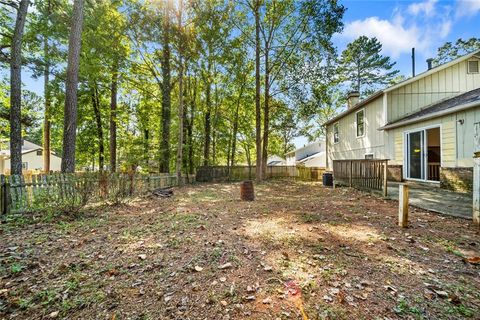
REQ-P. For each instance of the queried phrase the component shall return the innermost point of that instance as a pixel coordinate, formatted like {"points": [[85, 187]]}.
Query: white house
{"points": [[310, 155], [275, 160], [32, 158], [424, 125]]}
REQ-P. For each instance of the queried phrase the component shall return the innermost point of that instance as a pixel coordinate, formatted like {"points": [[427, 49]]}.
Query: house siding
{"points": [[456, 138], [351, 147], [35, 162], [440, 85]]}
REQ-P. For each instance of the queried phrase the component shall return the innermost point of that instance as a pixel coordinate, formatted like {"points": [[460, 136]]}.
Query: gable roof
{"points": [[464, 101], [312, 156], [474, 54], [355, 107]]}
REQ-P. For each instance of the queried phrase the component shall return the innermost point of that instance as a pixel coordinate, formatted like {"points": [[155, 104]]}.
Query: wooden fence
{"points": [[19, 194], [237, 173], [362, 174]]}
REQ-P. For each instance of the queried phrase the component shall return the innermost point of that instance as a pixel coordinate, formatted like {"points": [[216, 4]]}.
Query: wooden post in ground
{"points": [[403, 205], [3, 195], [385, 173], [350, 174], [476, 175]]}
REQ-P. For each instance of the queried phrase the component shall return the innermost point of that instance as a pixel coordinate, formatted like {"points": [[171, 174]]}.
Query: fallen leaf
{"points": [[225, 266], [473, 260], [267, 301]]}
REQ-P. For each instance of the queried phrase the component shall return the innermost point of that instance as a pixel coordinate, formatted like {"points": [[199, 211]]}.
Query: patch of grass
{"points": [[461, 310], [310, 218], [403, 307], [216, 254], [16, 268]]}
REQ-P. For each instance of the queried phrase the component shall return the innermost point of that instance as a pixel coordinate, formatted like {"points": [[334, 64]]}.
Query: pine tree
{"points": [[364, 67]]}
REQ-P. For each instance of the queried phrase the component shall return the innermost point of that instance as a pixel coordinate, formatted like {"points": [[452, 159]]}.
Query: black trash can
{"points": [[327, 179]]}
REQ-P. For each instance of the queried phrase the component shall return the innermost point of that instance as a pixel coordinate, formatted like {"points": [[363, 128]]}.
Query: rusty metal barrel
{"points": [[246, 191]]}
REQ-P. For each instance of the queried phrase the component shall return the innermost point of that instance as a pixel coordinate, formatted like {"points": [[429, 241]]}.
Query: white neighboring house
{"points": [[275, 160], [310, 155], [32, 158]]}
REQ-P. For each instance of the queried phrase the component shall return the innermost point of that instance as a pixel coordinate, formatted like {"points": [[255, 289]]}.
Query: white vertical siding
{"points": [[351, 147], [443, 84]]}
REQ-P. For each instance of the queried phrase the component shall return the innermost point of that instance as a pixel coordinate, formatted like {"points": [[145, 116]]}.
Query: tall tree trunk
{"points": [[180, 101], [98, 121], [258, 115], [191, 166], [180, 123], [235, 124], [208, 114], [113, 118], [16, 90], [146, 147], [266, 113], [166, 95], [70, 111], [46, 90], [214, 127]]}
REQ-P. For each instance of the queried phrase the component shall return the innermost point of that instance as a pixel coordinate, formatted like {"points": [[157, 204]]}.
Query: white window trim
{"points": [[368, 154], [356, 127], [338, 126], [405, 150], [468, 66]]}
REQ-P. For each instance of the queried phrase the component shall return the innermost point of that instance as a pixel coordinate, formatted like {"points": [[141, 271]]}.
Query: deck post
{"points": [[385, 173], [476, 176], [3, 195], [350, 174], [403, 205]]}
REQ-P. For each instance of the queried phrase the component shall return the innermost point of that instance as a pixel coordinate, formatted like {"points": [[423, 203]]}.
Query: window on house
{"points": [[360, 115], [39, 152], [369, 156], [335, 133], [473, 66], [24, 165]]}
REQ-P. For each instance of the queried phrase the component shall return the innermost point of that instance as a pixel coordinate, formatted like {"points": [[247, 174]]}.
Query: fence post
{"points": [[403, 205], [476, 176], [385, 184], [2, 195], [350, 174]]}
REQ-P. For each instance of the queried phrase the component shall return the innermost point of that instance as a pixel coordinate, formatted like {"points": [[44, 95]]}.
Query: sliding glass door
{"points": [[416, 155]]}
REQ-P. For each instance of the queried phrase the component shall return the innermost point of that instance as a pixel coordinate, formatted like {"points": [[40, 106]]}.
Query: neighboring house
{"points": [[32, 158], [310, 155], [424, 125], [275, 160]]}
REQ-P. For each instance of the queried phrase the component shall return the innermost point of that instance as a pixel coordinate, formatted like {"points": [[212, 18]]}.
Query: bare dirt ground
{"points": [[300, 251]]}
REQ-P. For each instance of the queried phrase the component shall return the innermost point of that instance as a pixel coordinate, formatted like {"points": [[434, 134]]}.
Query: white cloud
{"points": [[427, 7], [423, 25], [395, 38], [467, 8]]}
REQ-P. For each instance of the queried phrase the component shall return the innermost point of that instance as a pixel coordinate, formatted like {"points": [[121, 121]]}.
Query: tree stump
{"points": [[247, 192]]}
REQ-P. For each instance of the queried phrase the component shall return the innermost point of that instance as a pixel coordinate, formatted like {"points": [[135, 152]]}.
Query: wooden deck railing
{"points": [[434, 171], [363, 174], [19, 194]]}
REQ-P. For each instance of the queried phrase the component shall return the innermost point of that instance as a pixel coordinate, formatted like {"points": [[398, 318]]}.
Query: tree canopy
{"points": [[173, 85]]}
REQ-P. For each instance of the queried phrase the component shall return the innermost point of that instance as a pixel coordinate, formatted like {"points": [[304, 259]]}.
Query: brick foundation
{"points": [[457, 179], [395, 173]]}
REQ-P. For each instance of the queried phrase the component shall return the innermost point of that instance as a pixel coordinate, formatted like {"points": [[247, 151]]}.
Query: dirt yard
{"points": [[300, 251]]}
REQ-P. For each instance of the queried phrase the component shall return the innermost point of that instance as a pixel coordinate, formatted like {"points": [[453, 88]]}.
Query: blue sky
{"points": [[401, 25]]}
